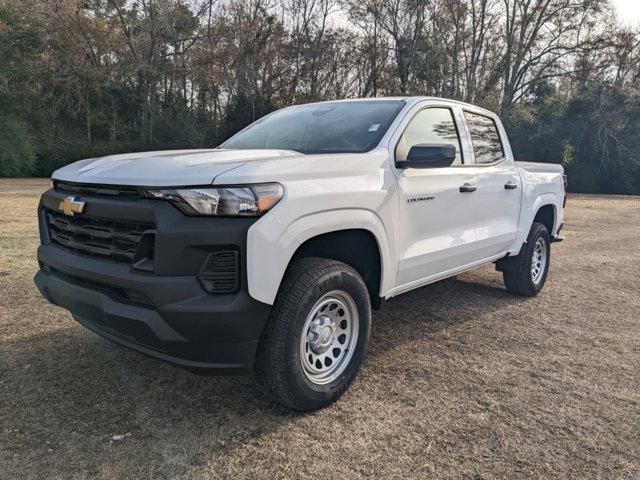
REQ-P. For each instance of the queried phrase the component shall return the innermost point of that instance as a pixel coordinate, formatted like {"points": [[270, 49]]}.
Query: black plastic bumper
{"points": [[168, 316]]}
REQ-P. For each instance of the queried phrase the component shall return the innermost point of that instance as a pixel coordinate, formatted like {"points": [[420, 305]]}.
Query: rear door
{"points": [[437, 224], [499, 186]]}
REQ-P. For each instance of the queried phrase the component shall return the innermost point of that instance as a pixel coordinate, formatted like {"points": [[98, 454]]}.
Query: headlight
{"points": [[229, 201]]}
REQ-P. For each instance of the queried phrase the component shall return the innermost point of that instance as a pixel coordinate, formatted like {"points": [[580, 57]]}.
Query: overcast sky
{"points": [[628, 11]]}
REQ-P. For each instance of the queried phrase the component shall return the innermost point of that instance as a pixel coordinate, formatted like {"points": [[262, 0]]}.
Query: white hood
{"points": [[163, 168]]}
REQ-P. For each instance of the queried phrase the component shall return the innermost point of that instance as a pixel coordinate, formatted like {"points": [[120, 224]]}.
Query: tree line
{"points": [[80, 79]]}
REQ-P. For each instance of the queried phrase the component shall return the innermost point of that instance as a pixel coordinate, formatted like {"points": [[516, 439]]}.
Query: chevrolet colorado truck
{"points": [[267, 255]]}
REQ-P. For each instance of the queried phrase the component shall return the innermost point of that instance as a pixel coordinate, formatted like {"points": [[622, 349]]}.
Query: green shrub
{"points": [[17, 152]]}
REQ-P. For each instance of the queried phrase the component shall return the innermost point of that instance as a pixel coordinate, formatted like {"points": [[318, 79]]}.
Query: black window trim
{"points": [[455, 124], [475, 161]]}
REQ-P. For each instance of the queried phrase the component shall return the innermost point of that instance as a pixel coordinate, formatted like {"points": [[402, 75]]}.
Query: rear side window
{"points": [[431, 125], [487, 146]]}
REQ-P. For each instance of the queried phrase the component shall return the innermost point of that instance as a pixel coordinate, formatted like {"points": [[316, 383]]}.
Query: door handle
{"points": [[510, 185], [467, 187]]}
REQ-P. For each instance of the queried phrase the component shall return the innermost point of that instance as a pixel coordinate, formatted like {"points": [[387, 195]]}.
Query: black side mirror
{"points": [[427, 155]]}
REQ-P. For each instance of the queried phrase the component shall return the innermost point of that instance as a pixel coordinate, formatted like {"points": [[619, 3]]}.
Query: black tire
{"points": [[278, 368], [517, 271]]}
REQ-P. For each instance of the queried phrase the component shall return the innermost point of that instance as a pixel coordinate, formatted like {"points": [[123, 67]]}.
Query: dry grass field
{"points": [[462, 379]]}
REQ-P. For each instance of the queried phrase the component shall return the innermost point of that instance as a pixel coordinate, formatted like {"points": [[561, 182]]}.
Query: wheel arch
{"points": [[543, 208], [546, 214], [352, 236], [357, 247]]}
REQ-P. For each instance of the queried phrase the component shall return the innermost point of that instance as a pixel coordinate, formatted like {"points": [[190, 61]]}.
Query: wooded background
{"points": [[80, 79]]}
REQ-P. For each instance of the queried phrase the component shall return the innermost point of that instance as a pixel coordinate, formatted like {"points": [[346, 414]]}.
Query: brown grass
{"points": [[462, 380]]}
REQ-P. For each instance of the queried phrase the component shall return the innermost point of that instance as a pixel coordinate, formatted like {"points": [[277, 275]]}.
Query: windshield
{"points": [[333, 127]]}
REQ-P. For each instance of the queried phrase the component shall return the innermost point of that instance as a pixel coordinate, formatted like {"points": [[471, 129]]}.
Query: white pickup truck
{"points": [[267, 254]]}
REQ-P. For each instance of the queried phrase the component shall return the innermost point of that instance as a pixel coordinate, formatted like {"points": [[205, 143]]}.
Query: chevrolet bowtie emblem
{"points": [[69, 206]]}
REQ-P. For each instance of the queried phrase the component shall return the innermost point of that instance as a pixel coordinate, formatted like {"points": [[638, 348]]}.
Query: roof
{"points": [[409, 100]]}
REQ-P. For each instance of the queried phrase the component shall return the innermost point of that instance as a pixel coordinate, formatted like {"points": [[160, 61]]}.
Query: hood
{"points": [[163, 168]]}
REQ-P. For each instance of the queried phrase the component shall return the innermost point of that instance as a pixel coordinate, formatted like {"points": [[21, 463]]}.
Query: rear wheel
{"points": [[316, 337], [526, 273]]}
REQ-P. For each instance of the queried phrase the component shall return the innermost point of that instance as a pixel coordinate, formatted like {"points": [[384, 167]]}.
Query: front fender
{"points": [[271, 245]]}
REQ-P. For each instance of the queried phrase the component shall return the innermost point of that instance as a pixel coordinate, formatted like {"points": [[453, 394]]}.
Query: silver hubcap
{"points": [[538, 260], [329, 337]]}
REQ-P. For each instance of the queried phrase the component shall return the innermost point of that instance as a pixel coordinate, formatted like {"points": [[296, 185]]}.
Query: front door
{"points": [[437, 205]]}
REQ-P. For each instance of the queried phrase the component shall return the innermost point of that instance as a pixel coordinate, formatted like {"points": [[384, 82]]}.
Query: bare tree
{"points": [[540, 37]]}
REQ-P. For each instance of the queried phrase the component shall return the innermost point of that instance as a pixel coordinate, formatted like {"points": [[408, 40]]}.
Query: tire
{"points": [[306, 326], [520, 274]]}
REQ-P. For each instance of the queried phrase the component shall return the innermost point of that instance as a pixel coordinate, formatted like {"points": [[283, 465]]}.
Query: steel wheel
{"points": [[329, 336], [538, 260]]}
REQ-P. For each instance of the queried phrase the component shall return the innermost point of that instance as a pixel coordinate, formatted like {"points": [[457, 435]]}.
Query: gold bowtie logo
{"points": [[69, 206]]}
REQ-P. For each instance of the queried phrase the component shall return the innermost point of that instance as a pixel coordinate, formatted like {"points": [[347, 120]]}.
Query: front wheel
{"points": [[316, 337], [526, 273]]}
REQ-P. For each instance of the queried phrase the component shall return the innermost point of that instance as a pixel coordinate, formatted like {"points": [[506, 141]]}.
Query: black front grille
{"points": [[109, 239]]}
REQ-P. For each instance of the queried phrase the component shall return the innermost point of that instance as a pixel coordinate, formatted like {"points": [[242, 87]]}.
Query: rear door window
{"points": [[485, 138]]}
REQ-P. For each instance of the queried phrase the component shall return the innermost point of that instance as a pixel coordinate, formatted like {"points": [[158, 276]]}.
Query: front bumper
{"points": [[166, 314]]}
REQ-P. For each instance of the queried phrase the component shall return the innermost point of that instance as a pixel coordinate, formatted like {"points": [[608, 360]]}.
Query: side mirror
{"points": [[427, 155]]}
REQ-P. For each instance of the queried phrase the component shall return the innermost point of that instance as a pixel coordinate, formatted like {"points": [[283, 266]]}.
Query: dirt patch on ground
{"points": [[462, 380]]}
